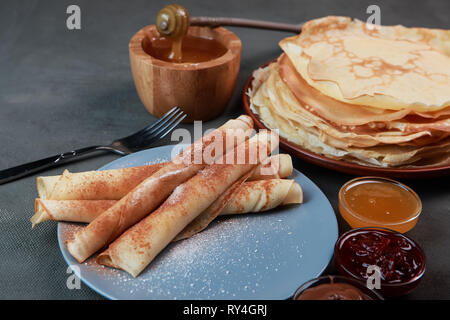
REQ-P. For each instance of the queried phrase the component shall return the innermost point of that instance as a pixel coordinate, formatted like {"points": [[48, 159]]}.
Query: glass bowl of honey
{"points": [[392, 262], [379, 202]]}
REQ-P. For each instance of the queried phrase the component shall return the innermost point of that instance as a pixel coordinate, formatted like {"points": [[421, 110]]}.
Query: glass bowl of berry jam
{"points": [[369, 253]]}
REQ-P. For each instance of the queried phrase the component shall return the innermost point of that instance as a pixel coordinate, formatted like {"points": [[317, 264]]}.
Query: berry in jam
{"points": [[399, 259]]}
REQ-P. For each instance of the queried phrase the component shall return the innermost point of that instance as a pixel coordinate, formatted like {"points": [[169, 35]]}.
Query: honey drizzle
{"points": [[176, 53]]}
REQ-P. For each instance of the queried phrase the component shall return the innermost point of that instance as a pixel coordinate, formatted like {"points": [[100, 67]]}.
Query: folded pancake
{"points": [[385, 67], [360, 136], [311, 117], [272, 101], [362, 119], [93, 185], [252, 196], [115, 184], [151, 192], [140, 244]]}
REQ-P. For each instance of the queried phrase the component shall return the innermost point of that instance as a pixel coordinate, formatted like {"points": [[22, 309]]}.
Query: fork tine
{"points": [[162, 132], [173, 126], [167, 120], [155, 125], [164, 124]]}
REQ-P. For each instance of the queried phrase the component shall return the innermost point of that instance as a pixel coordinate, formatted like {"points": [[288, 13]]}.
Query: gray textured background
{"points": [[61, 90]]}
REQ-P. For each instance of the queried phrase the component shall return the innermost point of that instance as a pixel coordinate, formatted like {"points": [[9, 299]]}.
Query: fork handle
{"points": [[26, 169]]}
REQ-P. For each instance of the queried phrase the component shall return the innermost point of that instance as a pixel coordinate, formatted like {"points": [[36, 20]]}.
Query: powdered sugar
{"points": [[176, 194], [254, 256], [211, 263]]}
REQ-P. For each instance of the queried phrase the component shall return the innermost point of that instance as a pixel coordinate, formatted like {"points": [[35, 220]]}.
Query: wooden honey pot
{"points": [[174, 64]]}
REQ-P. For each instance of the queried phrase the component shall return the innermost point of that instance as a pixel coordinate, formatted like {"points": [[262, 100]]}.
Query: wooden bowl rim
{"points": [[234, 47], [340, 165]]}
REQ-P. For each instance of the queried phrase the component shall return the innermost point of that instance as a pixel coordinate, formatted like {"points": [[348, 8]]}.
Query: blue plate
{"points": [[253, 256]]}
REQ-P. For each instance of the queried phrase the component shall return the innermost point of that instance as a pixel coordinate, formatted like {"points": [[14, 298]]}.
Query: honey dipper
{"points": [[174, 20]]}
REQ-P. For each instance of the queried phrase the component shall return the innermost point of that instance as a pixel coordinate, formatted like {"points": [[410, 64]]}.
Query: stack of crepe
{"points": [[371, 95], [134, 213]]}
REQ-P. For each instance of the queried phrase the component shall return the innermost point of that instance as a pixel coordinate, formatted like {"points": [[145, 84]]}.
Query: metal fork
{"points": [[138, 141]]}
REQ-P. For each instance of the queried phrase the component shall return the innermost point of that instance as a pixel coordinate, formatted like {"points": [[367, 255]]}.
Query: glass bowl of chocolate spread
{"points": [[335, 288]]}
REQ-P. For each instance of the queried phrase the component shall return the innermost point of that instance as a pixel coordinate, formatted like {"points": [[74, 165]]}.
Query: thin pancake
{"points": [[286, 105], [343, 114], [273, 107], [384, 67]]}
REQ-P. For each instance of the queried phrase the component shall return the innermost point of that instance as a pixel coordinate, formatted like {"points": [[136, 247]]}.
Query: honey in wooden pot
{"points": [[192, 67], [175, 45], [192, 49]]}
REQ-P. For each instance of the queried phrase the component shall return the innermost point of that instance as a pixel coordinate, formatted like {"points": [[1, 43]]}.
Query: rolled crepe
{"points": [[151, 192], [252, 196], [94, 185], [263, 195], [81, 210], [69, 210], [115, 184], [202, 221], [276, 166], [140, 244]]}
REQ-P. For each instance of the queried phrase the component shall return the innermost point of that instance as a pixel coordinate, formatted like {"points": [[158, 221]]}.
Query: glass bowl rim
{"points": [[417, 277], [306, 284], [362, 218]]}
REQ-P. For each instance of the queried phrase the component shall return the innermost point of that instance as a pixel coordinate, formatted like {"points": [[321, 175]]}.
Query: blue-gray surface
{"points": [[62, 89]]}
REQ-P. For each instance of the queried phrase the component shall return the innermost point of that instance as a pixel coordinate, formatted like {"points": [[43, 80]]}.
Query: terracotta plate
{"points": [[342, 166]]}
